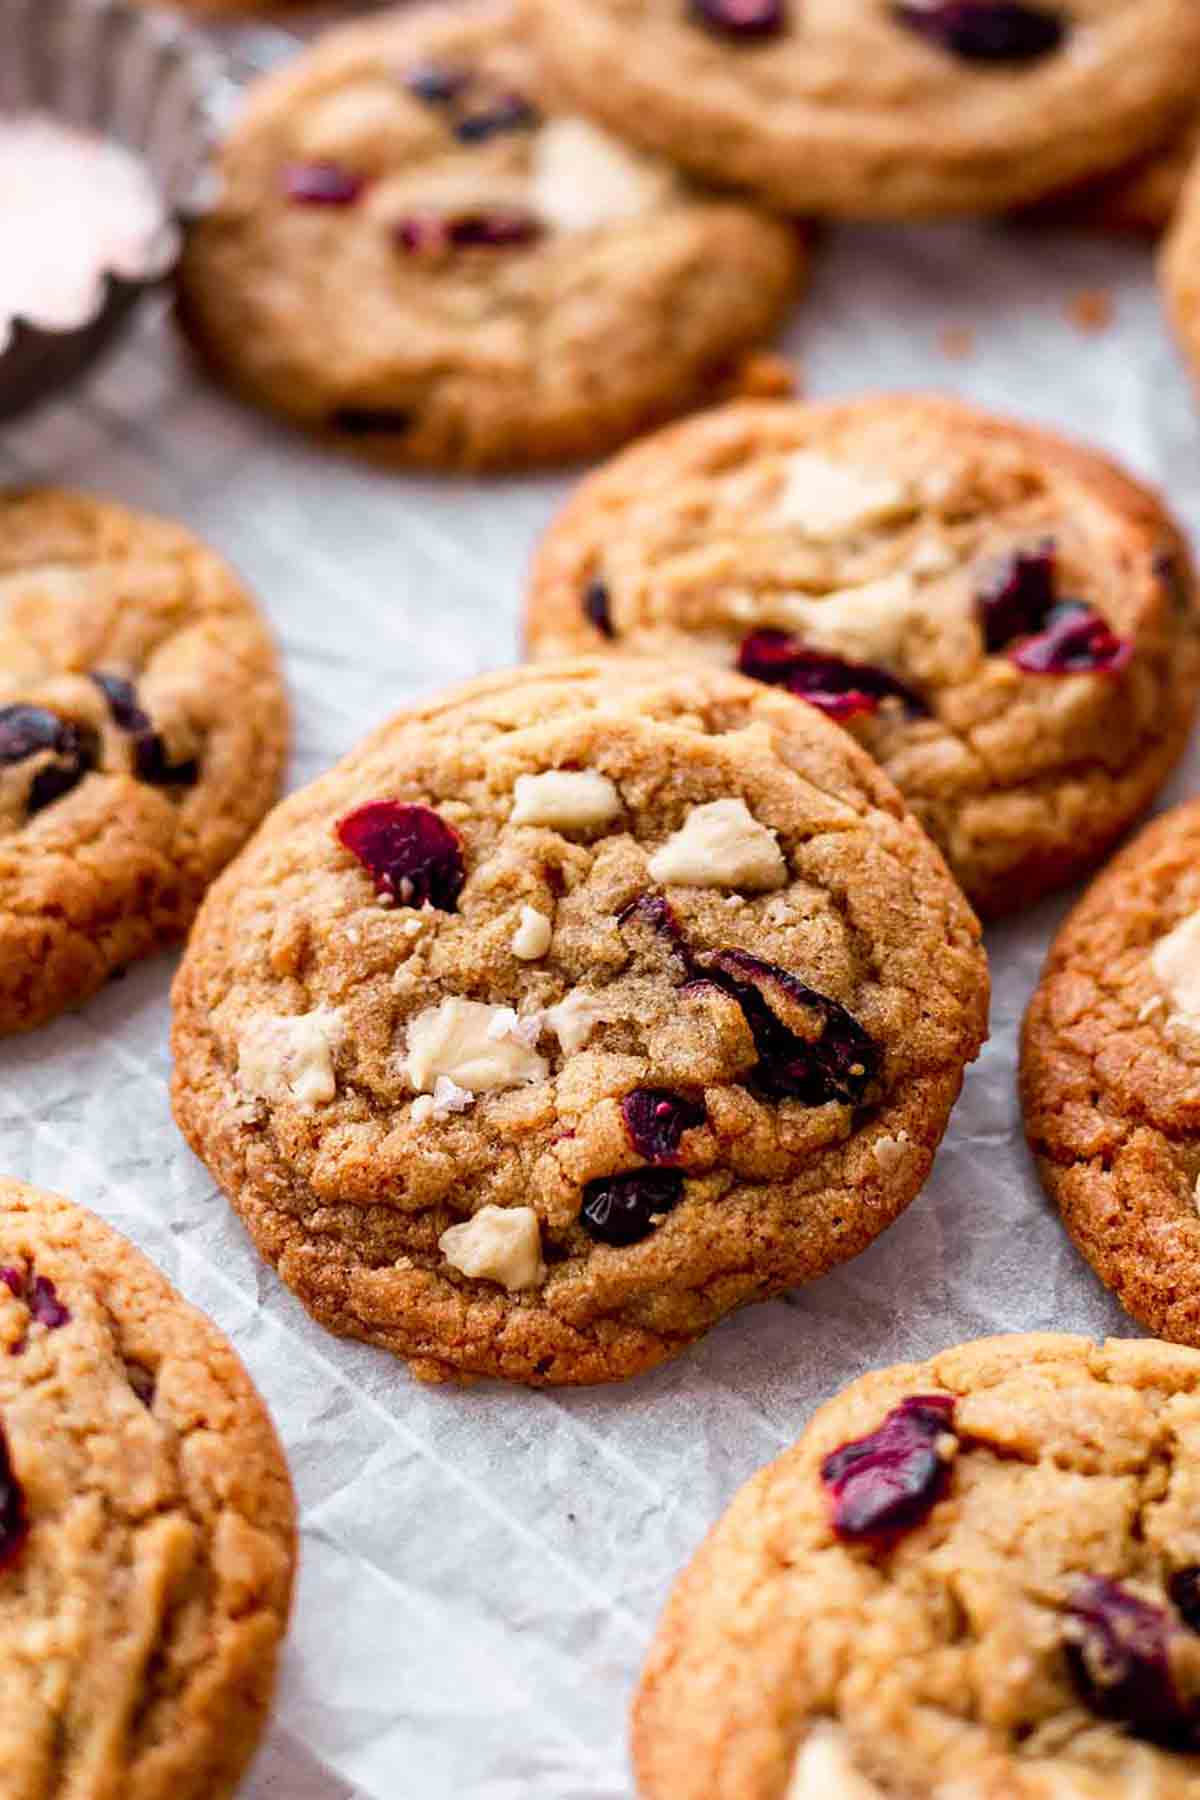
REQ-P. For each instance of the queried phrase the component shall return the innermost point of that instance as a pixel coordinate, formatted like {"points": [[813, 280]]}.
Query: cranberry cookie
{"points": [[418, 256], [1110, 1075], [1006, 621], [1140, 199], [572, 1010], [973, 1577], [147, 1533], [142, 736], [881, 107]]}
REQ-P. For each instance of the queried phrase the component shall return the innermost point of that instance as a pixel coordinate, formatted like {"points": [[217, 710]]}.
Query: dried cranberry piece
{"points": [[14, 1281], [656, 912], [1017, 597], [837, 687], [371, 421], [1076, 641], [998, 31], [14, 1524], [410, 852], [597, 608], [839, 1063], [26, 731], [620, 1209], [1118, 1651], [435, 83], [890, 1480], [740, 18], [427, 234], [511, 112], [150, 759], [321, 184], [656, 1121], [45, 1305]]}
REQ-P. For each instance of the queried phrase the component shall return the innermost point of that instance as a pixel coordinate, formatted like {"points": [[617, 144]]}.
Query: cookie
{"points": [[920, 107], [147, 1530], [143, 729], [418, 256], [1139, 200], [1005, 620], [976, 1578], [1110, 1075], [573, 1009]]}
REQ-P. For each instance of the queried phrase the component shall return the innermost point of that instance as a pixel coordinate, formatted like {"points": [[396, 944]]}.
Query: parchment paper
{"points": [[482, 1569]]}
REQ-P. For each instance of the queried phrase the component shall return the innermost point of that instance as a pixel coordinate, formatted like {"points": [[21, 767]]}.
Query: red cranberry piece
{"points": [[1118, 1652], [14, 1524], [597, 608], [656, 1121], [321, 184], [26, 731], [993, 31], [1017, 597], [409, 851], [14, 1281], [45, 1305], [435, 83], [840, 1063], [426, 234], [658, 915], [740, 18], [837, 687], [371, 421], [620, 1209], [511, 112], [890, 1480], [1076, 641]]}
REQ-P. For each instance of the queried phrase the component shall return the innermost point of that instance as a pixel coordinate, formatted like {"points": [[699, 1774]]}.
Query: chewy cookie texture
{"points": [[977, 1576], [1005, 620], [143, 729], [1110, 1075], [571, 1011], [418, 255], [147, 1532], [866, 109]]}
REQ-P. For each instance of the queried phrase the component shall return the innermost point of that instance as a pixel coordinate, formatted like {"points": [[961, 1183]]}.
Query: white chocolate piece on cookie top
{"points": [[1175, 961], [823, 1770], [457, 1039], [867, 623], [827, 500], [290, 1057], [501, 1243], [721, 845], [584, 178], [531, 939], [565, 800], [575, 1018]]}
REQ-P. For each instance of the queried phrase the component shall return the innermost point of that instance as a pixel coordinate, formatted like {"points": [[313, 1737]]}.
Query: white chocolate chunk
{"points": [[827, 500], [455, 1039], [1175, 961], [501, 1243], [890, 1152], [575, 1018], [565, 800], [290, 1057], [721, 845], [507, 1023], [823, 1770], [583, 178], [867, 623], [531, 939]]}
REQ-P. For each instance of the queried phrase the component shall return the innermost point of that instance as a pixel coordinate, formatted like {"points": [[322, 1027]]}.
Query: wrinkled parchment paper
{"points": [[482, 1569]]}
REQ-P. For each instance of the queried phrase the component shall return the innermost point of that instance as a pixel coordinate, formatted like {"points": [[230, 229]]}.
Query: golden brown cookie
{"points": [[1139, 199], [573, 1009], [147, 1530], [1006, 621], [1110, 1075], [1179, 271], [143, 729], [855, 107], [976, 1578], [418, 255]]}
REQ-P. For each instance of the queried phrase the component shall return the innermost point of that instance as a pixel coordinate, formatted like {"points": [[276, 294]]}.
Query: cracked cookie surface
{"points": [[147, 1533], [1110, 1075], [143, 729], [877, 110], [419, 256], [1006, 621], [573, 1009], [1032, 1636]]}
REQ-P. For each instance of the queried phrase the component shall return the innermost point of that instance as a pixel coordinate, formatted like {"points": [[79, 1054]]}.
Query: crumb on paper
{"points": [[957, 342], [765, 376], [1091, 310]]}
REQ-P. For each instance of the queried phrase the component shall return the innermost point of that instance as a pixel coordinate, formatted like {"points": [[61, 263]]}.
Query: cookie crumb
{"points": [[765, 376], [1091, 310], [956, 342]]}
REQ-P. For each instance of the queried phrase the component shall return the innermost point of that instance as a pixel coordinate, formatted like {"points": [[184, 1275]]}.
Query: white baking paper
{"points": [[482, 1569]]}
